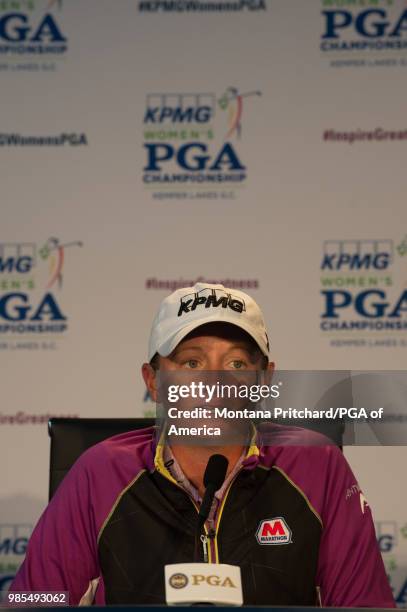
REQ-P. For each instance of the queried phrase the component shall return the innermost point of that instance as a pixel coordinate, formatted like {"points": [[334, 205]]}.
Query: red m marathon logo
{"points": [[274, 531]]}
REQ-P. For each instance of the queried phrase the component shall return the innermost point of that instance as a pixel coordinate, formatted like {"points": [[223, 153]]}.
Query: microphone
{"points": [[198, 578], [213, 479]]}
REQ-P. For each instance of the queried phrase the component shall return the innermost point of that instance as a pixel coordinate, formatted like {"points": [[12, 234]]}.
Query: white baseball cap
{"points": [[188, 308]]}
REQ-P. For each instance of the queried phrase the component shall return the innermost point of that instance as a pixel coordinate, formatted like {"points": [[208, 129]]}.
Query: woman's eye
{"points": [[191, 363], [238, 364]]}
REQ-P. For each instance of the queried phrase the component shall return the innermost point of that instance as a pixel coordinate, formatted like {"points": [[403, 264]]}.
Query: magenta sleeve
{"points": [[350, 568]]}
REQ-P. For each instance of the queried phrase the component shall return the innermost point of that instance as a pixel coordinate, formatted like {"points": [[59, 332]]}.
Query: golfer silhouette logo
{"points": [[232, 101], [54, 251]]}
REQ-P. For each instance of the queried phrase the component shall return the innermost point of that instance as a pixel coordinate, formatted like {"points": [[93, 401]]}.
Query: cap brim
{"points": [[166, 348]]}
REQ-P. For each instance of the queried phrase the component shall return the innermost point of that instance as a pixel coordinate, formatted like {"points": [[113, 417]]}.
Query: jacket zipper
{"points": [[204, 540], [212, 533], [209, 552]]}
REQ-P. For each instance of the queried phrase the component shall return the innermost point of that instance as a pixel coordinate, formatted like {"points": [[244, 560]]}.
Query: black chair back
{"points": [[71, 437]]}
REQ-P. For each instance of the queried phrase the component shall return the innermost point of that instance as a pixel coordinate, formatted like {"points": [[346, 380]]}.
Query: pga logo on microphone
{"points": [[215, 583]]}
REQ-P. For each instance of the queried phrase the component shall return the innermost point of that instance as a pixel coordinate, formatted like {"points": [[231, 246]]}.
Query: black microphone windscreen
{"points": [[215, 471]]}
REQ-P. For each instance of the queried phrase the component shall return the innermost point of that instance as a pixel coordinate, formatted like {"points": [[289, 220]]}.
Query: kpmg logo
{"points": [[14, 539], [181, 108], [363, 290], [31, 279], [357, 255], [190, 140], [13, 546], [210, 298], [31, 30], [18, 258]]}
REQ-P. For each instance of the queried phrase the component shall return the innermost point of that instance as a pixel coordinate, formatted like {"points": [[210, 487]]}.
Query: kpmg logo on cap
{"points": [[208, 298]]}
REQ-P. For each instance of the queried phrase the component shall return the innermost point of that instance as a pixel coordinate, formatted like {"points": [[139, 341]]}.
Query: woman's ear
{"points": [[268, 373], [150, 378]]}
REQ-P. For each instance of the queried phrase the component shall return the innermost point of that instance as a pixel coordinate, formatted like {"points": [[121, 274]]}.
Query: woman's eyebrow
{"points": [[187, 348], [241, 346], [253, 352]]}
